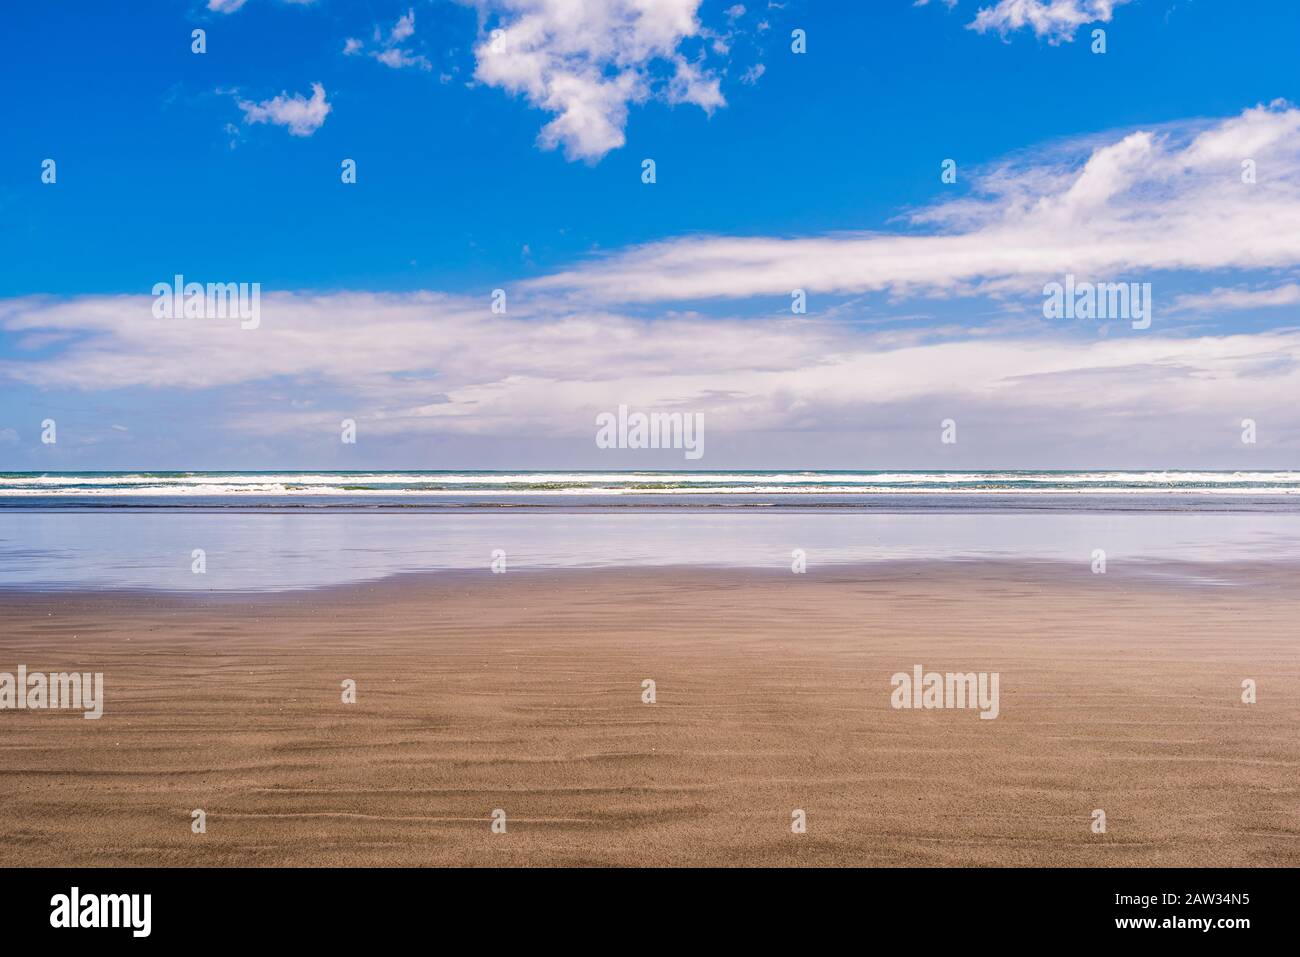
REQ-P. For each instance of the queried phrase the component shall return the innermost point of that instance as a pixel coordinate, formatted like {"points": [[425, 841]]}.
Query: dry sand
{"points": [[523, 692]]}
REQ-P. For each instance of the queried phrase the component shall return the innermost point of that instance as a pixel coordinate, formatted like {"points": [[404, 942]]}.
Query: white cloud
{"points": [[433, 364], [1119, 208], [398, 58], [230, 6], [1227, 299], [403, 28], [1056, 20], [301, 115], [587, 62], [692, 84], [391, 52]]}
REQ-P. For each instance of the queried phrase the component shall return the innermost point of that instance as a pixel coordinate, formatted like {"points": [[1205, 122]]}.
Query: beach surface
{"points": [[523, 692]]}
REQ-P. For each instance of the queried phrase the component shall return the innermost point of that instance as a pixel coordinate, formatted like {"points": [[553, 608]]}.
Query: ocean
{"points": [[274, 531]]}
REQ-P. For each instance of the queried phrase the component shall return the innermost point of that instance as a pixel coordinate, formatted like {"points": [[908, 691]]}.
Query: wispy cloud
{"points": [[302, 115], [230, 6], [1166, 199], [390, 50], [1223, 299], [1054, 20]]}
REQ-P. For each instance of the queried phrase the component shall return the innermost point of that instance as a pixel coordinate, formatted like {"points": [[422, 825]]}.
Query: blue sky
{"points": [[376, 293]]}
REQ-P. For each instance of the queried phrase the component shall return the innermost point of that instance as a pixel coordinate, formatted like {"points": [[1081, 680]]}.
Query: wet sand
{"points": [[523, 692]]}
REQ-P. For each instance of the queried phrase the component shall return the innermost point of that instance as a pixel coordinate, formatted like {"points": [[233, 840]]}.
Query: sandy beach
{"points": [[523, 692]]}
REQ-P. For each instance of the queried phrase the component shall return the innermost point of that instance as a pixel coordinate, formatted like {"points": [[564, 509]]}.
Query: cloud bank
{"points": [[1126, 206], [424, 364]]}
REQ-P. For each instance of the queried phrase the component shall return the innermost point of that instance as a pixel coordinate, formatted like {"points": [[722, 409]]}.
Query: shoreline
{"points": [[1155, 574]]}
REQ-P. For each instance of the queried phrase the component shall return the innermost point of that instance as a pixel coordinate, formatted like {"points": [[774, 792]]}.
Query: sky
{"points": [[500, 272]]}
